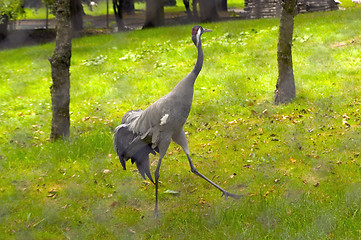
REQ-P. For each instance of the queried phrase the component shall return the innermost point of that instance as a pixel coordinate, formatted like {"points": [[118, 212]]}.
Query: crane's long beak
{"points": [[207, 30]]}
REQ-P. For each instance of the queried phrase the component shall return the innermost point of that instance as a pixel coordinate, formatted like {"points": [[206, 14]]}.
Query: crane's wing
{"points": [[148, 125], [122, 138], [141, 159], [129, 145], [131, 116]]}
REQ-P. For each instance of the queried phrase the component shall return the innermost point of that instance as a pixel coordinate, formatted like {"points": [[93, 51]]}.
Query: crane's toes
{"points": [[232, 195]]}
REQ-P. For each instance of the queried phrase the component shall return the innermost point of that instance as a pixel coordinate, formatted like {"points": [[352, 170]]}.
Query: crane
{"points": [[150, 131]]}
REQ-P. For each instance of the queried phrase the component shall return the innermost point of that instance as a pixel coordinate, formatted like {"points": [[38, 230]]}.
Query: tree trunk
{"points": [[192, 15], [3, 26], [188, 9], [128, 6], [118, 13], [222, 4], [77, 12], [208, 10], [195, 11], [60, 64], [154, 13], [285, 88]]}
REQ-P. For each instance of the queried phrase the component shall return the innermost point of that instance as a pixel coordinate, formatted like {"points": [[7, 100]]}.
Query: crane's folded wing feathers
{"points": [[141, 159], [131, 116], [131, 145], [122, 138], [147, 125]]}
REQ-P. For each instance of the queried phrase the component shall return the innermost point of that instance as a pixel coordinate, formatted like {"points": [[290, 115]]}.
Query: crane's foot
{"points": [[232, 195], [156, 214]]}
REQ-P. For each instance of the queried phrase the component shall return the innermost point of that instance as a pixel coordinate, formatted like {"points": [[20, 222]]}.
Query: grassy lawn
{"points": [[298, 166]]}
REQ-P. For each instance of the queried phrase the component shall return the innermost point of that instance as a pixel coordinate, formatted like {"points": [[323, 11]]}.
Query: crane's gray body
{"points": [[147, 132], [151, 130], [166, 117]]}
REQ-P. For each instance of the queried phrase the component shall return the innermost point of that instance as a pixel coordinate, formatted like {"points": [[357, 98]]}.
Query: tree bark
{"points": [[188, 9], [154, 16], [285, 88], [128, 6], [222, 5], [191, 14], [208, 10], [195, 11], [4, 19], [118, 13], [60, 64]]}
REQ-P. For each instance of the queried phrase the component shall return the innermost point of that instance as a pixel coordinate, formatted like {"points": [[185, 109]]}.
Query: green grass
{"points": [[297, 165]]}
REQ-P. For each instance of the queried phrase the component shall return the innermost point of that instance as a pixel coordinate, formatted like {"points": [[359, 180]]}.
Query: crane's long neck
{"points": [[184, 88], [197, 68]]}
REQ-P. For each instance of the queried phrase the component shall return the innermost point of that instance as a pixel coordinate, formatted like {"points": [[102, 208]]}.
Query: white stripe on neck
{"points": [[198, 35]]}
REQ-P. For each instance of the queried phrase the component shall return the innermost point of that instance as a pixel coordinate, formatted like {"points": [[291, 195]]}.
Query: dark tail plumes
{"points": [[129, 145]]}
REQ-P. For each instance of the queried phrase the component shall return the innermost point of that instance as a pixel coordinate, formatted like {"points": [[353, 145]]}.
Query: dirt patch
{"points": [[18, 38], [352, 41]]}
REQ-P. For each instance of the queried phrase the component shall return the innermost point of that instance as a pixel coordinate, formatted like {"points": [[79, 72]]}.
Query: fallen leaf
{"points": [[202, 201], [54, 190], [172, 192], [52, 195], [340, 44]]}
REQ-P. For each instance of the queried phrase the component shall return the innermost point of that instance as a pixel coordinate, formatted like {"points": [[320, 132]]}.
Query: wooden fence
{"points": [[272, 8]]}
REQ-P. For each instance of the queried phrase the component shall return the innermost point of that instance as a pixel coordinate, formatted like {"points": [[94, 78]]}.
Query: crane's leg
{"points": [[181, 140], [156, 176], [162, 146]]}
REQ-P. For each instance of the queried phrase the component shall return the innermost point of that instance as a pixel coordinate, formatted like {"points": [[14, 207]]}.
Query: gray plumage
{"points": [[151, 130], [124, 138]]}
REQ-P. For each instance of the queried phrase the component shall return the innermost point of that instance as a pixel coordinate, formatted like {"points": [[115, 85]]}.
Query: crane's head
{"points": [[197, 31]]}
